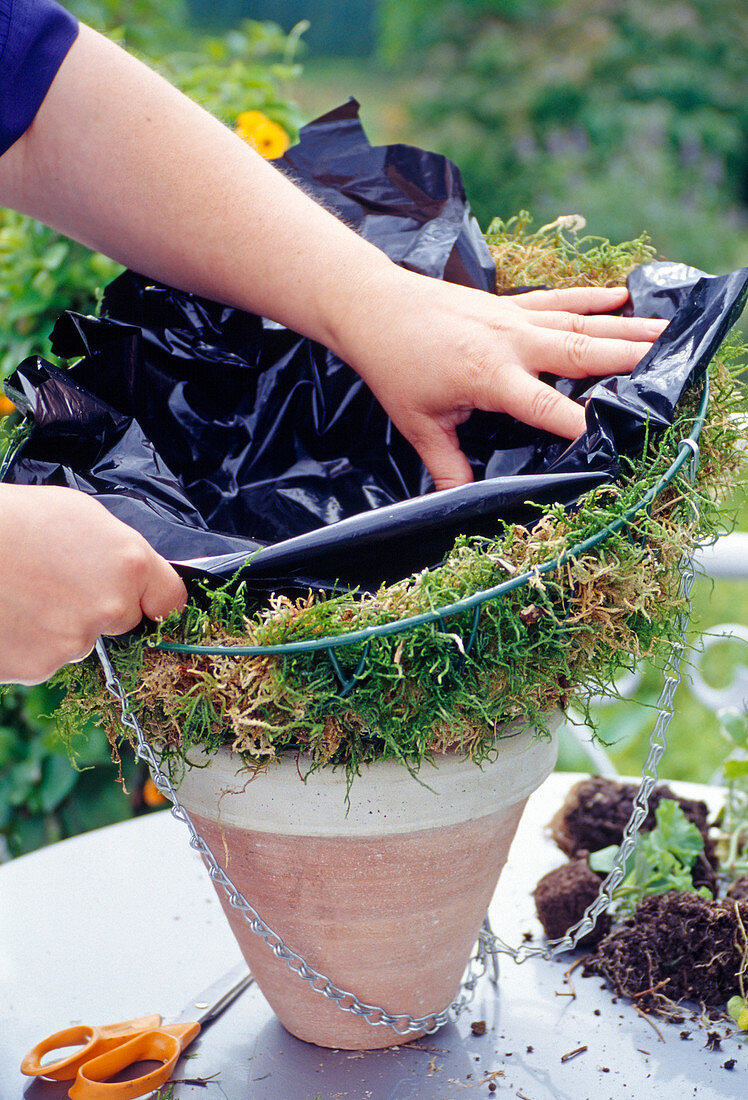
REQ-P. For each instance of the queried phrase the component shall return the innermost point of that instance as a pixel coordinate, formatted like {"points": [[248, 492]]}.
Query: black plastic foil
{"points": [[225, 438]]}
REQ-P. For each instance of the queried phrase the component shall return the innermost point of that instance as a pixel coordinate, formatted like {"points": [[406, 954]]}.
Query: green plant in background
{"points": [[43, 796], [339, 28], [146, 26], [634, 113], [41, 274], [250, 68]]}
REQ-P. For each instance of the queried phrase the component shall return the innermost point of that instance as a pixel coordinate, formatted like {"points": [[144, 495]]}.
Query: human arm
{"points": [[160, 185], [166, 189], [71, 572]]}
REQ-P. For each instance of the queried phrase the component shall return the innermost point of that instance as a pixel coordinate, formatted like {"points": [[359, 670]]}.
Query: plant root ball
{"points": [[677, 946], [595, 813], [561, 898]]}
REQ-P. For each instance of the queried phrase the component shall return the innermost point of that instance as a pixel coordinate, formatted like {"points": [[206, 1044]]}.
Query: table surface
{"points": [[124, 921]]}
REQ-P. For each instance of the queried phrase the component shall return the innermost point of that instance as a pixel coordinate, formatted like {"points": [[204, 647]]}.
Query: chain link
{"points": [[640, 807], [489, 945], [401, 1023]]}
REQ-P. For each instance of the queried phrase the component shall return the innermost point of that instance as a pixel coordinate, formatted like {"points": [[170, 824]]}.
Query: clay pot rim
{"points": [[384, 798]]}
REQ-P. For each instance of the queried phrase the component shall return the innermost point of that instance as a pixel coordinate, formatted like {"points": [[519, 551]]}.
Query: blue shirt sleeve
{"points": [[35, 36]]}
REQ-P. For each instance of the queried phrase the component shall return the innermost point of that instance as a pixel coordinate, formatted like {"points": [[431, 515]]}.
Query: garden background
{"points": [[634, 115]]}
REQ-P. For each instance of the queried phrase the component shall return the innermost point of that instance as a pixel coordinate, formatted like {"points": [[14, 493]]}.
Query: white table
{"points": [[124, 921]]}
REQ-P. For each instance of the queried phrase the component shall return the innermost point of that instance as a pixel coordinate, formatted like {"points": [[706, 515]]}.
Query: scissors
{"points": [[105, 1051]]}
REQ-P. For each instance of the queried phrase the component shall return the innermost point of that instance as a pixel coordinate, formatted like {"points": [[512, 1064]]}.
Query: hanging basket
{"points": [[368, 897], [426, 675]]}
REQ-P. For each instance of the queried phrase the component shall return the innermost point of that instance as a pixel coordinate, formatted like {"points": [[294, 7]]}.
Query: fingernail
{"points": [[657, 325]]}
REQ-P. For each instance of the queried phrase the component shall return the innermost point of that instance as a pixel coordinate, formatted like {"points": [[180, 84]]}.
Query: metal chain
{"points": [[640, 807], [489, 945], [402, 1023]]}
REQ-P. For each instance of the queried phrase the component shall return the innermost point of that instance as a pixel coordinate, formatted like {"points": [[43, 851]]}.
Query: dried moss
{"points": [[556, 256]]}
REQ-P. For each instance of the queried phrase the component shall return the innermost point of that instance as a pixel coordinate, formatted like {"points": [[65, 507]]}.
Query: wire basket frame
{"points": [[688, 449]]}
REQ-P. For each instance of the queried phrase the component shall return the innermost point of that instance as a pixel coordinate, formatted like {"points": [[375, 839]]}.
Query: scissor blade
{"points": [[207, 1005]]}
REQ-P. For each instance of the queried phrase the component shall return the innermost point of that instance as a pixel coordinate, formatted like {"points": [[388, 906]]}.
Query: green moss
{"points": [[419, 692]]}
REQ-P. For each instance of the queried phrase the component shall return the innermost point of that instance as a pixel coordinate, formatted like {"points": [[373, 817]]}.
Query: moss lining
{"points": [[419, 693]]}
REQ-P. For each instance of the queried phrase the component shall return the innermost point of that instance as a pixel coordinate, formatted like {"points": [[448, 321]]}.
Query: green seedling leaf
{"points": [[662, 860], [735, 769], [675, 834], [736, 1005], [602, 862]]}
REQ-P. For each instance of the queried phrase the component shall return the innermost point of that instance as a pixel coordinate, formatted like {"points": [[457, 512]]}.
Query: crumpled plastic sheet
{"points": [[225, 438]]}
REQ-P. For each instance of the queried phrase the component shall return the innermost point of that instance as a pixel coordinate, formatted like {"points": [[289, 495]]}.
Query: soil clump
{"points": [[561, 898], [596, 811], [594, 816], [677, 946]]}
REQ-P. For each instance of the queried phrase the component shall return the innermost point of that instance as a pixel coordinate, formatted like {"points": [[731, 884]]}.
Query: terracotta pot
{"points": [[386, 896]]}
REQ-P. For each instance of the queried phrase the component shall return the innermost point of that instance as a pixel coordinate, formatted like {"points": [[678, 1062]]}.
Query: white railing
{"points": [[726, 559]]}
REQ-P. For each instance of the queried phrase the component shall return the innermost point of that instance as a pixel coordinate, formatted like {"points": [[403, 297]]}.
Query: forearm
{"points": [[119, 159]]}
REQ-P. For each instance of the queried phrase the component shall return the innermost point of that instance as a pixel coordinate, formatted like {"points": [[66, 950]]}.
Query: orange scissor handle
{"points": [[164, 1044], [91, 1041]]}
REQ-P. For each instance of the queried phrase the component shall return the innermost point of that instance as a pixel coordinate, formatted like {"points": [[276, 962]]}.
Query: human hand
{"points": [[432, 352], [71, 572]]}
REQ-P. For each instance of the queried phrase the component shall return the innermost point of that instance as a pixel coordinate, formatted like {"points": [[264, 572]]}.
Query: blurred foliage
{"points": [[41, 274], [249, 68], [43, 797], [341, 28], [634, 115], [696, 743], [145, 26]]}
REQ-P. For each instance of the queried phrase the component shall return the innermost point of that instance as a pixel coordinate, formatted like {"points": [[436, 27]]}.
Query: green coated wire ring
{"points": [[687, 448]]}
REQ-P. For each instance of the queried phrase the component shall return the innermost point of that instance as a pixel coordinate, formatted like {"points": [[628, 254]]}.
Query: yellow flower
{"points": [[6, 406], [267, 137], [152, 795]]}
